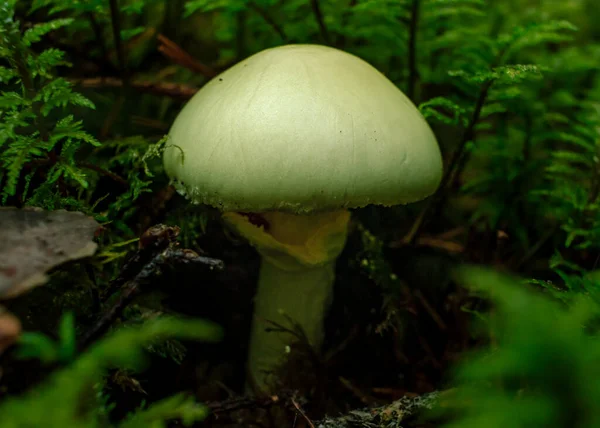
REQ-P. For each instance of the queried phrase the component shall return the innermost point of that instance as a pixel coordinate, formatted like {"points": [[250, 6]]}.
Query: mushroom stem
{"points": [[289, 307], [298, 254]]}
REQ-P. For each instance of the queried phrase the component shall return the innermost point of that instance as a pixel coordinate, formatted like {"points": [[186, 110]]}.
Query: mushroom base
{"points": [[295, 287]]}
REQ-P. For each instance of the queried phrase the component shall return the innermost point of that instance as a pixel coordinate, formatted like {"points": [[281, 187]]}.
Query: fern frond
{"points": [[35, 34], [58, 93]]}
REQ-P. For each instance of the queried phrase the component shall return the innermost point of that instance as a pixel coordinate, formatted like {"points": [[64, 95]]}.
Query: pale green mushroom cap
{"points": [[302, 128]]}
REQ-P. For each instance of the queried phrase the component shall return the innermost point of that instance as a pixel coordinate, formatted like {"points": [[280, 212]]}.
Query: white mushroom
{"points": [[298, 134]]}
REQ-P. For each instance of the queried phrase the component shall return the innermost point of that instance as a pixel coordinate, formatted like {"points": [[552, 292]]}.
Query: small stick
{"points": [[413, 73], [174, 52], [438, 198], [116, 27], [269, 20], [158, 249], [86, 165], [316, 8], [173, 90], [308, 421]]}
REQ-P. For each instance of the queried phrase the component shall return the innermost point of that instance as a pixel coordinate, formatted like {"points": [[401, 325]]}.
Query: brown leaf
{"points": [[10, 329], [33, 241]]}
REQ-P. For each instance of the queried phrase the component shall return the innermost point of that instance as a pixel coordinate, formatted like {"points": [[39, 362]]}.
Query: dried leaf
{"points": [[33, 241], [10, 329]]}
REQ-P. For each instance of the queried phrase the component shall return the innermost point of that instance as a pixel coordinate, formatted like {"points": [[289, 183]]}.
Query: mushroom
{"points": [[284, 143]]}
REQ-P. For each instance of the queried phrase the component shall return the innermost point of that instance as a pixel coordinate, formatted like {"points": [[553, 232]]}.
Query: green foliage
{"points": [[443, 110], [540, 371], [39, 346], [503, 85], [27, 139], [99, 10], [513, 98], [573, 177], [47, 158], [68, 397], [531, 149], [132, 155], [574, 282], [372, 261]]}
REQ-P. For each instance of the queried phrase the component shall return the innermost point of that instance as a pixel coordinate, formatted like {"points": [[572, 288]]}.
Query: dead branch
{"points": [[175, 53], [173, 90], [157, 250], [264, 14], [301, 412], [238, 403]]}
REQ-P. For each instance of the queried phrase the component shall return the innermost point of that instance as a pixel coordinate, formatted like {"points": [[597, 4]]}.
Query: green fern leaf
{"points": [[443, 110], [6, 75], [11, 100], [35, 34], [58, 93]]}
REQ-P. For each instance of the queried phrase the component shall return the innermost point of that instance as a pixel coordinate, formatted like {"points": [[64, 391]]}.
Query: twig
{"points": [[87, 165], [128, 292], [240, 33], [283, 399], [427, 348], [174, 90], [412, 49], [341, 40], [114, 114], [430, 310], [104, 172], [447, 246], [435, 202], [393, 392], [150, 123], [174, 52], [364, 397], [238, 403], [469, 134], [132, 288], [159, 242], [299, 409], [154, 207], [267, 18], [171, 24], [340, 347], [297, 332], [536, 247], [115, 19], [98, 34], [153, 241], [318, 14]]}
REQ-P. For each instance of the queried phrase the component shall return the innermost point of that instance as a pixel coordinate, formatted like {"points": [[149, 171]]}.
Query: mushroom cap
{"points": [[302, 128]]}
